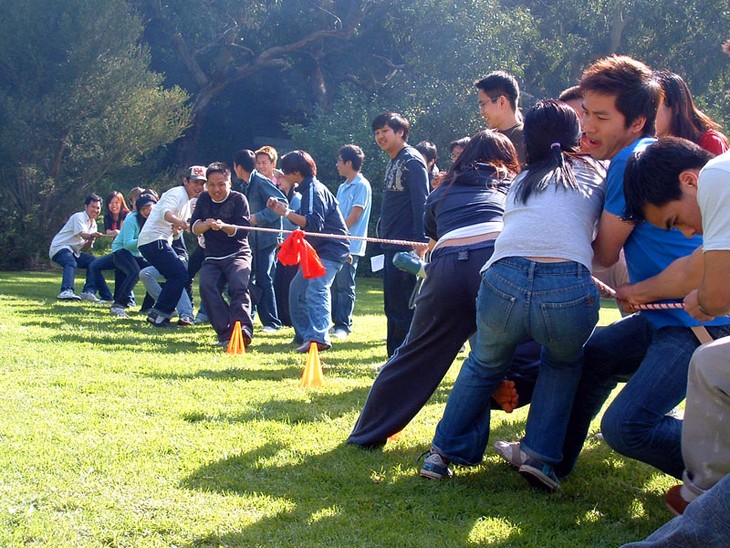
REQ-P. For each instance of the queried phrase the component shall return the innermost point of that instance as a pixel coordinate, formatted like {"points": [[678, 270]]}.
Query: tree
{"points": [[77, 102]]}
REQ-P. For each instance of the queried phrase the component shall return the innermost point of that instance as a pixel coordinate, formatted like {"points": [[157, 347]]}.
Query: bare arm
{"points": [[354, 215], [612, 235]]}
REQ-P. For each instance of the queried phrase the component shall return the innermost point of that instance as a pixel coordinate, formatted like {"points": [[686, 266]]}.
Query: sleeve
{"points": [[129, 234], [417, 185], [713, 198], [267, 190], [361, 196], [615, 200], [79, 225], [429, 218], [198, 213], [315, 211], [169, 201], [713, 142]]}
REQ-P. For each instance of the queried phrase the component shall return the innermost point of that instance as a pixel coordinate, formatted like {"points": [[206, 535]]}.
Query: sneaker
{"points": [[339, 334], [89, 296], [159, 321], [118, 311], [222, 344], [674, 500], [268, 329], [106, 302], [539, 474], [304, 348], [68, 295], [511, 452], [435, 467], [185, 321], [201, 319]]}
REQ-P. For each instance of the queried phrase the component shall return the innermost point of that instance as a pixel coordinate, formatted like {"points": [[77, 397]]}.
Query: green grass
{"points": [[112, 433]]}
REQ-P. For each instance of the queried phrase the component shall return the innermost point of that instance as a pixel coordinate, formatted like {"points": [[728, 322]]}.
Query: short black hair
{"points": [[458, 143], [652, 176], [394, 121], [354, 155], [428, 150], [298, 161], [218, 167], [503, 83], [570, 94], [92, 198], [246, 159]]}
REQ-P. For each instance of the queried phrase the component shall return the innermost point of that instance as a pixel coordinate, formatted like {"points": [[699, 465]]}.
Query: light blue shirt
{"points": [[356, 193]]}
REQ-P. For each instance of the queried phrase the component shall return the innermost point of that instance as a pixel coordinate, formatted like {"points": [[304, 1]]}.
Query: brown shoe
{"points": [[674, 501]]}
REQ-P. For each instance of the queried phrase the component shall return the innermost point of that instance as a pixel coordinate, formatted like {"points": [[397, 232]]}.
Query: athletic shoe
{"points": [[185, 321], [304, 348], [674, 500], [106, 302], [339, 334], [511, 452], [539, 474], [68, 295], [435, 467], [268, 329], [159, 321], [118, 311], [89, 296]]}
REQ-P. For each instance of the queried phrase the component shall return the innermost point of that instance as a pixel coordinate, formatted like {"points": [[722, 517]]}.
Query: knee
{"points": [[622, 435]]}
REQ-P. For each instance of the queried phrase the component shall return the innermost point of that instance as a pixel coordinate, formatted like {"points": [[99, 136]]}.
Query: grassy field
{"points": [[112, 433]]}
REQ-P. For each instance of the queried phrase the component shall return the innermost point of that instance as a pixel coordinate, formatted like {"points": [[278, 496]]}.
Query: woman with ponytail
{"points": [[537, 284]]}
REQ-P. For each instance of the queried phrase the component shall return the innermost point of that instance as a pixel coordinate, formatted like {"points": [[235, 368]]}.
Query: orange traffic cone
{"points": [[235, 345], [395, 436], [312, 375]]}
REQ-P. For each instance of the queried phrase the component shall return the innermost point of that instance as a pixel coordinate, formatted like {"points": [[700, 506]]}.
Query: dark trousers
{"points": [[263, 267], [283, 276], [161, 255], [214, 275], [129, 266], [445, 317], [397, 289]]}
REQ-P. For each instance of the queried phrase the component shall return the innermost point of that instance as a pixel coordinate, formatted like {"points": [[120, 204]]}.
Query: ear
{"points": [[637, 126], [688, 180]]}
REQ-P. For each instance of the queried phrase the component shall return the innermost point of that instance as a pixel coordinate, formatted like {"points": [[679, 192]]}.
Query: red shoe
{"points": [[674, 501]]}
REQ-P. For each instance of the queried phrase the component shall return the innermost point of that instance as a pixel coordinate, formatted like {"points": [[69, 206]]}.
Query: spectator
{"points": [[354, 197], [284, 274], [498, 94]]}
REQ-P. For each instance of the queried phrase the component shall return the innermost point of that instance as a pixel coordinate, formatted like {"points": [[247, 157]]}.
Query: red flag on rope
{"points": [[297, 250]]}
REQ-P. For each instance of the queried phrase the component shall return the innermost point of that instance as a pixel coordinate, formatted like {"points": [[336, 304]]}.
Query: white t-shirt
{"points": [[68, 237], [157, 228], [713, 197]]}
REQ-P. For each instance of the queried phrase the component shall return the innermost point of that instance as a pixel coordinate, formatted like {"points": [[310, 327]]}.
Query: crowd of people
{"points": [[621, 178]]}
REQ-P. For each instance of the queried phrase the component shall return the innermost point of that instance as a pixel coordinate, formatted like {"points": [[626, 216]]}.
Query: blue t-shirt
{"points": [[649, 249], [351, 194]]}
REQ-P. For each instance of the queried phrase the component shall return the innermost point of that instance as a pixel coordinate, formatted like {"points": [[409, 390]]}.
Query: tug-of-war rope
{"points": [[599, 283]]}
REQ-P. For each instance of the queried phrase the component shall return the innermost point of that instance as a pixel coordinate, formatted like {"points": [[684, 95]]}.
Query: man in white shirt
{"points": [[169, 217], [69, 245]]}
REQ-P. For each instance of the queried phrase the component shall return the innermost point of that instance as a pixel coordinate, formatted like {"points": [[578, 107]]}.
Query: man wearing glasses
{"points": [[498, 94]]}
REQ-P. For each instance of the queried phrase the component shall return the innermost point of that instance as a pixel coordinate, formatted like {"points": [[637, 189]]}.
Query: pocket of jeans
{"points": [[571, 320], [494, 306]]}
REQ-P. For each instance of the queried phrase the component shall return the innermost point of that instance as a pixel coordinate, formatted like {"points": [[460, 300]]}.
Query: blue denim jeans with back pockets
{"points": [[556, 304], [343, 295]]}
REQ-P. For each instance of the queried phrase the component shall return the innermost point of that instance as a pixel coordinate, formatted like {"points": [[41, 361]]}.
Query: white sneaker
{"points": [[339, 334], [268, 329], [89, 296], [119, 312], [511, 452], [68, 295]]}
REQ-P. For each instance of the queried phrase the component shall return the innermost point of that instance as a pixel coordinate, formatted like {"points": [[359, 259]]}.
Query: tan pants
{"points": [[706, 428]]}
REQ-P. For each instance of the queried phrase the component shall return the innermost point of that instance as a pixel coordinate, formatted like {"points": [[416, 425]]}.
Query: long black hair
{"points": [[552, 132], [486, 147]]}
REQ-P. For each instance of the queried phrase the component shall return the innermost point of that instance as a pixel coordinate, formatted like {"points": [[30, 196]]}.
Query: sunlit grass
{"points": [[112, 433]]}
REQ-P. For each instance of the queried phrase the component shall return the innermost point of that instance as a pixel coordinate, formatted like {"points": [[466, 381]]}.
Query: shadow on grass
{"points": [[347, 495]]}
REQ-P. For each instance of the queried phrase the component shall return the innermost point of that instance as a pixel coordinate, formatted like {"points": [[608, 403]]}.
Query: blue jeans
{"points": [[161, 255], [130, 266], [309, 304], [557, 305], [70, 264], [635, 424], [343, 295], [703, 524], [262, 268], [151, 278], [95, 277]]}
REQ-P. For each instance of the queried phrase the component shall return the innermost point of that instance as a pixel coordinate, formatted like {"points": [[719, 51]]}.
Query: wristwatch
{"points": [[286, 212]]}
